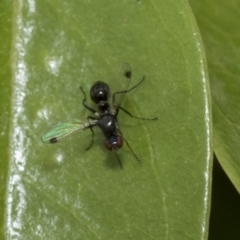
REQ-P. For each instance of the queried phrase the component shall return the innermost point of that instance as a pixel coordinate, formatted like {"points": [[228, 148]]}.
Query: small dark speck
{"points": [[128, 74], [53, 140]]}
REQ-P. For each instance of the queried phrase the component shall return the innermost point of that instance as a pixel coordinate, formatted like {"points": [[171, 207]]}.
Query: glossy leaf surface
{"points": [[219, 25], [65, 192]]}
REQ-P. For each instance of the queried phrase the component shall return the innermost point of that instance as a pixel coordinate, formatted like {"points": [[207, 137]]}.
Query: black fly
{"points": [[105, 117]]}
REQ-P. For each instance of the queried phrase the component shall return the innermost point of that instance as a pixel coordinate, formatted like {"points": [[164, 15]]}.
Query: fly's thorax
{"points": [[104, 107], [108, 125]]}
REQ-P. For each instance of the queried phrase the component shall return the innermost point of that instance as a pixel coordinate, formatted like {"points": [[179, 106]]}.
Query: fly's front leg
{"points": [[134, 154], [119, 161]]}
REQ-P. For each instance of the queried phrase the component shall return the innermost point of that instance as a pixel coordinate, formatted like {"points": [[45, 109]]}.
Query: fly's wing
{"points": [[120, 84], [66, 129]]}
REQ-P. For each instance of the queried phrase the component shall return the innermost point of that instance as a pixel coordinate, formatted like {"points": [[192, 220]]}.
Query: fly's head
{"points": [[114, 143]]}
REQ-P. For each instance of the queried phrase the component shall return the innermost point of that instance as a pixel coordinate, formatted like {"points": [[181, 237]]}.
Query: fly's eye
{"points": [[114, 143], [107, 145], [119, 142], [99, 92]]}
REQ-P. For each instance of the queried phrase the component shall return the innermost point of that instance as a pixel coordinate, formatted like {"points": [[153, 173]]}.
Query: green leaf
{"points": [[219, 25], [5, 103], [65, 192], [218, 22]]}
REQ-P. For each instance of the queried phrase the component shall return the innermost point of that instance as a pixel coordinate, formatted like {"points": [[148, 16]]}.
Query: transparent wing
{"points": [[121, 83], [66, 129]]}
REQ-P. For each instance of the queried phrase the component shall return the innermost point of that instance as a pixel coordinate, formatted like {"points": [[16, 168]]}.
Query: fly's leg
{"points": [[91, 128], [83, 103], [119, 161], [126, 111], [126, 91], [134, 154], [147, 119]]}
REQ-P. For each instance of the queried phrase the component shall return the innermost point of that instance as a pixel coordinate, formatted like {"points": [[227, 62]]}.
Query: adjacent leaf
{"points": [[219, 25]]}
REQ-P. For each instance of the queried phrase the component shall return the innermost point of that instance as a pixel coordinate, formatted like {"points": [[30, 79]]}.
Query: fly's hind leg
{"points": [[86, 106]]}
